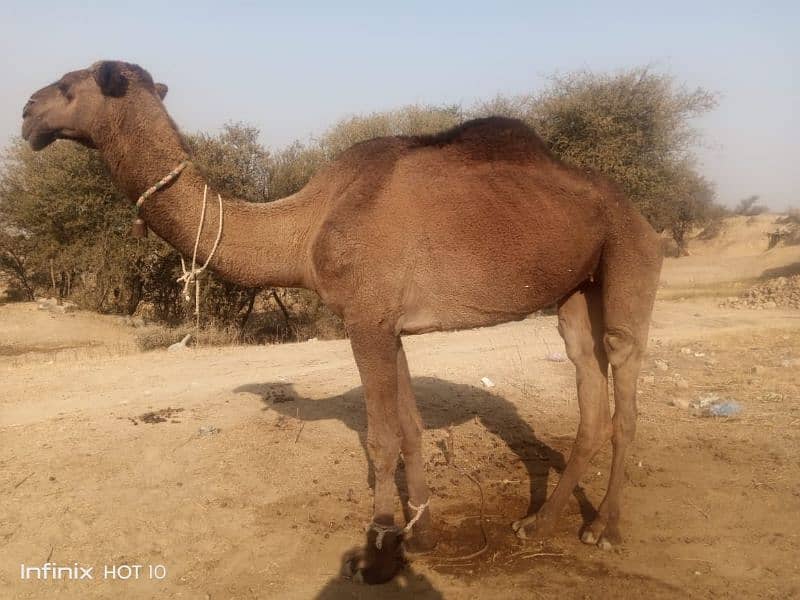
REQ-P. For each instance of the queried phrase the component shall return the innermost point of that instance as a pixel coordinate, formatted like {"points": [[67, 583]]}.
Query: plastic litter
{"points": [[726, 409], [713, 405], [556, 357], [487, 382]]}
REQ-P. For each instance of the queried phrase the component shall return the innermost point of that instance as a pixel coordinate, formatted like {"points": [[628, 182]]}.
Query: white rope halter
{"points": [[190, 275]]}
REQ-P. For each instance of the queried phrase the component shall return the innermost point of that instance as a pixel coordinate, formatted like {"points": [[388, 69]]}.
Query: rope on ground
{"points": [[452, 463]]}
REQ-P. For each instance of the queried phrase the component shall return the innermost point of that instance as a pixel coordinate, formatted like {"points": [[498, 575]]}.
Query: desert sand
{"points": [[242, 471]]}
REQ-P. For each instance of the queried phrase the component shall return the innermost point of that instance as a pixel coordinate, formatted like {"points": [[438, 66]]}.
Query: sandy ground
{"points": [[242, 471]]}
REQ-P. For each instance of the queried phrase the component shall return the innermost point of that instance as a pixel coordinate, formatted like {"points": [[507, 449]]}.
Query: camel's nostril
{"points": [[27, 109]]}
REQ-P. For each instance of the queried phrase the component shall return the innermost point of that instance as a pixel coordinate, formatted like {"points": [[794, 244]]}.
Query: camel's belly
{"points": [[444, 308], [424, 321]]}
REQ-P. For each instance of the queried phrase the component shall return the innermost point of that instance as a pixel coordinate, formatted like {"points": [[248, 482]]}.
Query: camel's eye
{"points": [[65, 90]]}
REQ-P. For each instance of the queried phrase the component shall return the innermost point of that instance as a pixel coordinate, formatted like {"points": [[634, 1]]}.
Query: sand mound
{"points": [[736, 236]]}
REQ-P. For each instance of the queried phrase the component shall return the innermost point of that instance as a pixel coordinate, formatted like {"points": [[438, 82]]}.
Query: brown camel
{"points": [[471, 227]]}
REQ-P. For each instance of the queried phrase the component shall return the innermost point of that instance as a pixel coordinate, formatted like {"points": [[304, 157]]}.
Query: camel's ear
{"points": [[108, 75], [161, 90]]}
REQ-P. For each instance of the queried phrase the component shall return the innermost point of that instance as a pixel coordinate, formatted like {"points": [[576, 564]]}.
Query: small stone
{"points": [[757, 370], [661, 365], [682, 403]]}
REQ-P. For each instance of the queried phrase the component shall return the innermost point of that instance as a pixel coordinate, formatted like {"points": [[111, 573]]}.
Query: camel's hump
{"points": [[491, 138]]}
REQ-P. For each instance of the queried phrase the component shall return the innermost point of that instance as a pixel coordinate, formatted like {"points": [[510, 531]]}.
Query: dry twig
{"points": [[24, 479], [302, 424]]}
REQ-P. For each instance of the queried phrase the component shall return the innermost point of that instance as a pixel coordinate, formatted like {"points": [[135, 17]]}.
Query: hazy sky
{"points": [[294, 68]]}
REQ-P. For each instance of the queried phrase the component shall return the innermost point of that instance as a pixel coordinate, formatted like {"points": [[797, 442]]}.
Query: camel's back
{"points": [[479, 223]]}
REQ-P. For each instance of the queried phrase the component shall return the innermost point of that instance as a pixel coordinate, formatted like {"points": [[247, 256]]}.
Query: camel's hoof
{"points": [[375, 565], [605, 541], [421, 542], [357, 567], [519, 529], [588, 537], [532, 528]]}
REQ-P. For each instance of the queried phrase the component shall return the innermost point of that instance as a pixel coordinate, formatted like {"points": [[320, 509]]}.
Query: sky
{"points": [[294, 68]]}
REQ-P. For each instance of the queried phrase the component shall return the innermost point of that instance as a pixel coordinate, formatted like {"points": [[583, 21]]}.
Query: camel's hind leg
{"points": [[630, 278], [422, 534], [580, 323]]}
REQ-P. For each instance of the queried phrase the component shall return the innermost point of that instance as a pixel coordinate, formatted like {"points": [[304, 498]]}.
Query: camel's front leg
{"points": [[376, 354]]}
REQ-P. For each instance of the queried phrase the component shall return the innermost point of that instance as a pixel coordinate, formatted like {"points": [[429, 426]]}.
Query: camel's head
{"points": [[82, 104]]}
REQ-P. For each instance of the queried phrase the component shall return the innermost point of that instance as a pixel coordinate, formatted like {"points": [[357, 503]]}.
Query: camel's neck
{"points": [[261, 244]]}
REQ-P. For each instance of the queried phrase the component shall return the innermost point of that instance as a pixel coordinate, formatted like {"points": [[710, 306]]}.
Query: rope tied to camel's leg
{"points": [[190, 276], [382, 531], [418, 511]]}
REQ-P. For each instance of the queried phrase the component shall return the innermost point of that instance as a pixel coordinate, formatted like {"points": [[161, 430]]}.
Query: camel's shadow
{"points": [[441, 404]]}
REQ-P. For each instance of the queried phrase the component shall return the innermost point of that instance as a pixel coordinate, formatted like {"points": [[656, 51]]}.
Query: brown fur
{"points": [[470, 227]]}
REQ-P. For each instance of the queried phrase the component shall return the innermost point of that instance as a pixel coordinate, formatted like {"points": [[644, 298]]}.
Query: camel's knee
{"points": [[621, 346], [577, 336]]}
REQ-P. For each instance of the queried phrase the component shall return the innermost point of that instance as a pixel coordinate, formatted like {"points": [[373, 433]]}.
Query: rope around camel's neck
{"points": [[189, 275]]}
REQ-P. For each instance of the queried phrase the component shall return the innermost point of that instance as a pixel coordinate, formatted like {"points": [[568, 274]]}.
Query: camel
{"points": [[470, 227]]}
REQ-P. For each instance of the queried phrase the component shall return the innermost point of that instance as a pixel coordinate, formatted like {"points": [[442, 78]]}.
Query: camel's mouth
{"points": [[38, 137], [41, 137]]}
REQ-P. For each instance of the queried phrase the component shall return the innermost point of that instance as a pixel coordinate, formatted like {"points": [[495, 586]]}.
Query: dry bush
{"points": [[307, 318], [792, 217], [788, 231], [155, 337], [670, 247], [747, 207]]}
